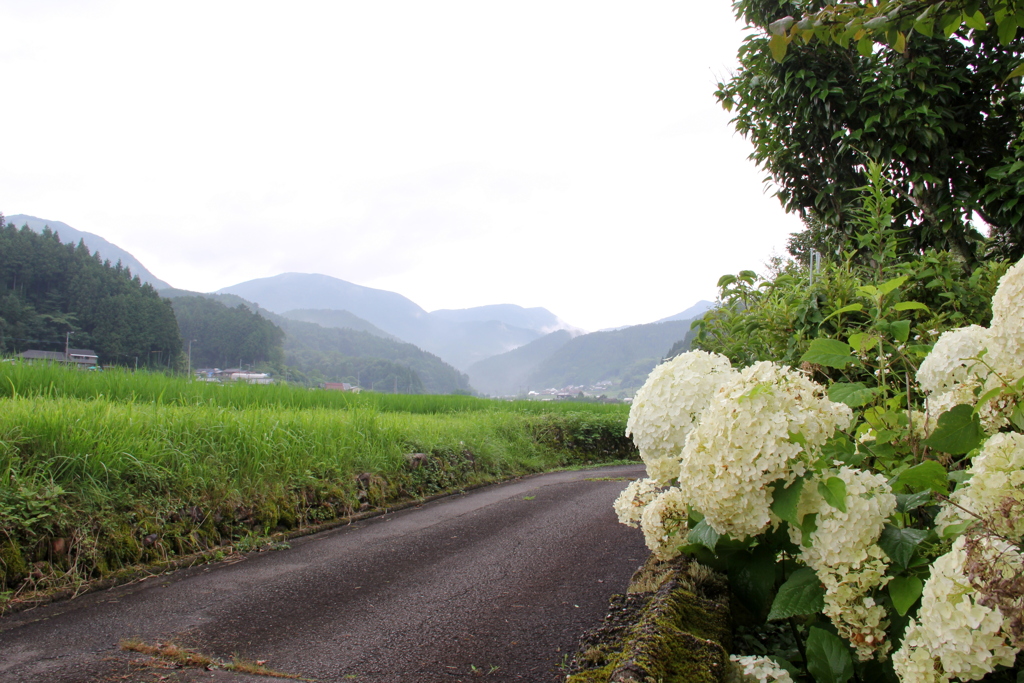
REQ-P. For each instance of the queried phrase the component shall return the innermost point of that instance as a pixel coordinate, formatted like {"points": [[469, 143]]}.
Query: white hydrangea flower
{"points": [[1008, 301], [953, 636], [947, 364], [665, 523], [950, 379], [669, 404], [634, 498], [1006, 342], [845, 554], [997, 475], [751, 669], [745, 441]]}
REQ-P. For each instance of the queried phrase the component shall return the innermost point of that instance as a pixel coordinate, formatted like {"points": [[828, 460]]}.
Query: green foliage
{"points": [[225, 336], [371, 359], [49, 289], [24, 380], [118, 468], [817, 100], [959, 431], [828, 657], [801, 594], [841, 322], [619, 356], [861, 325]]}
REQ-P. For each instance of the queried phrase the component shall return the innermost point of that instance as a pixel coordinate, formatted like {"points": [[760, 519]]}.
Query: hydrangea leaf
{"points": [[785, 500], [1017, 417], [808, 525], [900, 330], [905, 502], [853, 394], [830, 353], [862, 341], [899, 544], [752, 578], [828, 657], [833, 490], [956, 529], [960, 476], [904, 591], [703, 534], [802, 593], [958, 431], [842, 449], [928, 475]]}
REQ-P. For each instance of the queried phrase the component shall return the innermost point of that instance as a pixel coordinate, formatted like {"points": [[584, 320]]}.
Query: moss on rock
{"points": [[13, 566], [679, 633]]}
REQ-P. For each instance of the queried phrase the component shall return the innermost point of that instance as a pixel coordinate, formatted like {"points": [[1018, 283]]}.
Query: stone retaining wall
{"points": [[672, 626]]}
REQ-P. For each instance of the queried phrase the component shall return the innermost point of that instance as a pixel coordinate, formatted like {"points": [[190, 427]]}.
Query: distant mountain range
{"points": [[504, 348], [338, 319], [309, 346], [620, 360], [461, 337], [108, 251], [691, 313]]}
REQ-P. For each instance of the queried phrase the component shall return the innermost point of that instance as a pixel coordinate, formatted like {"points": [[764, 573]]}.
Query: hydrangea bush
{"points": [[888, 536]]}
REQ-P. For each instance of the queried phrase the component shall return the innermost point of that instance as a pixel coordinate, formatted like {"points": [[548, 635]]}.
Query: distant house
{"points": [[232, 375], [340, 386], [251, 377], [83, 358]]}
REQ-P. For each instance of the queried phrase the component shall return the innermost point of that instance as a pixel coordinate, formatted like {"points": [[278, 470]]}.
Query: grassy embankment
{"points": [[100, 472]]}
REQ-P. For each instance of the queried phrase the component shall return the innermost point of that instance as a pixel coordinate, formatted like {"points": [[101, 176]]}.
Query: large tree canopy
{"points": [[819, 94]]}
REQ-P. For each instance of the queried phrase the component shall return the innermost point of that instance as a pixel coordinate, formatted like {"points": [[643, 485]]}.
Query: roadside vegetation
{"points": [[847, 443], [103, 471]]}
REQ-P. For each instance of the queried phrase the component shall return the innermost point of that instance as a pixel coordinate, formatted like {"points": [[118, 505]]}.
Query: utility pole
{"points": [[190, 356], [67, 344]]}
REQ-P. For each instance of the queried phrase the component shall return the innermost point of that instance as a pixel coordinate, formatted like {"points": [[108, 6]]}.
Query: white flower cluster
{"points": [[953, 636], [997, 478], [845, 554], [750, 669], [631, 502], [665, 523], [668, 405], [950, 378], [766, 423], [948, 363]]}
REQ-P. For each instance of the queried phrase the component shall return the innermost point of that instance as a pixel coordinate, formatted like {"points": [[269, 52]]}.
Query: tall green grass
{"points": [[57, 381], [104, 470]]}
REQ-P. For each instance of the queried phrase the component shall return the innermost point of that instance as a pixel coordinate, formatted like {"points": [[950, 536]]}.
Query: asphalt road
{"points": [[496, 584]]}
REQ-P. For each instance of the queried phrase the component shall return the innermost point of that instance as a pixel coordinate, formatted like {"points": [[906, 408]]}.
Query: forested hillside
{"points": [[49, 290], [508, 374], [333, 318], [108, 251], [371, 361], [460, 337], [624, 357], [312, 353], [222, 336]]}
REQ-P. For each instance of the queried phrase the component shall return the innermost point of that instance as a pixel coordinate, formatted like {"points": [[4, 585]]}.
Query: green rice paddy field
{"points": [[102, 472]]}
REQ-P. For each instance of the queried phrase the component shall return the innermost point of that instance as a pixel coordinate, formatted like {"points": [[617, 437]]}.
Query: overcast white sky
{"points": [[562, 154]]}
